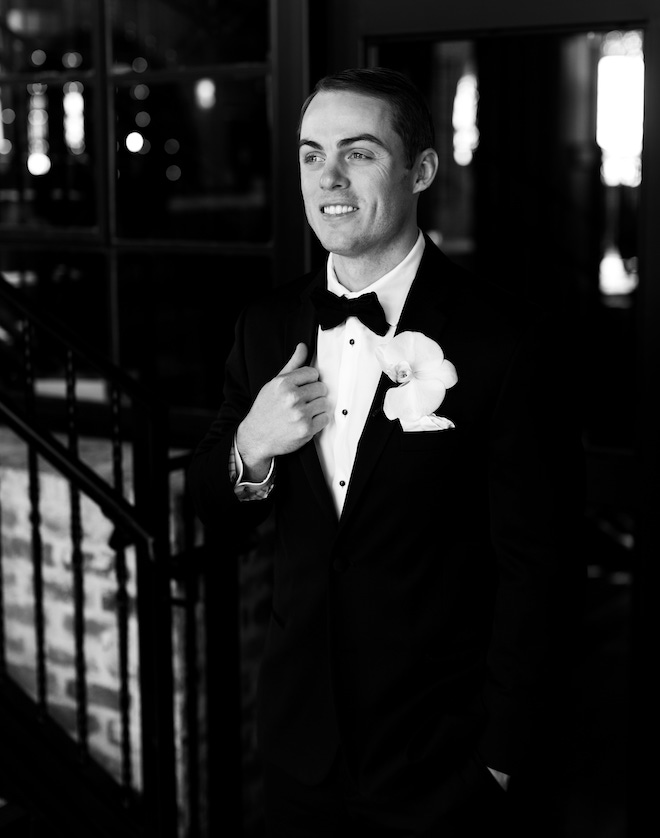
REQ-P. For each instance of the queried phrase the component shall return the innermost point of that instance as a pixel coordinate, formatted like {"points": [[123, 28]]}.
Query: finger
{"points": [[296, 360], [312, 390], [320, 407], [301, 377], [317, 408], [319, 422]]}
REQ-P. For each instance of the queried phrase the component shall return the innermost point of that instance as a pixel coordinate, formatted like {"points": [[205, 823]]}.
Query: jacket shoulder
{"points": [[486, 308]]}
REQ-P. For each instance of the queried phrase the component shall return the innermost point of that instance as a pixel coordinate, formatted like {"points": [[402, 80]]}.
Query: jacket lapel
{"points": [[302, 326], [422, 312]]}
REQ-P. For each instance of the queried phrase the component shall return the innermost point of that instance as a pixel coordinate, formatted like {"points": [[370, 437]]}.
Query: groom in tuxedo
{"points": [[410, 427]]}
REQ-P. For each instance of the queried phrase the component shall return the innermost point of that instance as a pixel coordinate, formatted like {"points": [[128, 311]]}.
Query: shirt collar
{"points": [[392, 288]]}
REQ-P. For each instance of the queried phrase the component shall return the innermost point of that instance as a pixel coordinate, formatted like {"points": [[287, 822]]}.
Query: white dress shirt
{"points": [[346, 361]]}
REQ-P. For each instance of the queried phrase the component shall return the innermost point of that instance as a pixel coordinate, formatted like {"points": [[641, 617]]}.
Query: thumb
{"points": [[296, 360]]}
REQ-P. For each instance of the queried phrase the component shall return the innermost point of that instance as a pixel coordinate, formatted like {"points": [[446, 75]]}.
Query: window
{"points": [[136, 184]]}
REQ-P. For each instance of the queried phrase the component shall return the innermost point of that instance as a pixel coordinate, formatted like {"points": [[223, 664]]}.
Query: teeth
{"points": [[338, 210]]}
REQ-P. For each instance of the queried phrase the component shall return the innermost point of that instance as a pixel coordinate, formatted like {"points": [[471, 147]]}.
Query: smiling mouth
{"points": [[338, 209]]}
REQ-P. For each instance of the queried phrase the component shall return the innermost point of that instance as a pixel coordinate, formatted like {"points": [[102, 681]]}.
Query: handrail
{"points": [[75, 470]]}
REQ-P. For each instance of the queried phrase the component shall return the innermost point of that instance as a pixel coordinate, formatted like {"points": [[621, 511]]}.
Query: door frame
{"points": [[350, 27]]}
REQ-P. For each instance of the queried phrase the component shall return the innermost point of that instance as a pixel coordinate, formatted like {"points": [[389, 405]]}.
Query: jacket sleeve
{"points": [[209, 477]]}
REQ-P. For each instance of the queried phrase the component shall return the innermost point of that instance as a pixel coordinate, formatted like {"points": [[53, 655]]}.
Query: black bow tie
{"points": [[333, 310]]}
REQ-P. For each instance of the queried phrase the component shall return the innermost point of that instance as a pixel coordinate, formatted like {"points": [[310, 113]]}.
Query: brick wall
{"points": [[101, 633]]}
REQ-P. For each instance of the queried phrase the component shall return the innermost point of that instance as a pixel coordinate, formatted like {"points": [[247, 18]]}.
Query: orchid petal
{"points": [[413, 347], [415, 399], [444, 371]]}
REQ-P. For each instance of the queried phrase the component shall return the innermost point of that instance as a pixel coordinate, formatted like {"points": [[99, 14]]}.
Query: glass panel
{"points": [[46, 156], [37, 35], [540, 140], [178, 314], [193, 160], [71, 288], [155, 34]]}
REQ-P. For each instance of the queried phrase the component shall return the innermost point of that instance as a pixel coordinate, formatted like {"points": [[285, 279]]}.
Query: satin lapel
{"points": [[302, 327], [423, 312]]}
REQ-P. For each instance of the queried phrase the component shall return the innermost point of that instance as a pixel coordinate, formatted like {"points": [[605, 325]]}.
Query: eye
{"points": [[312, 157], [358, 155]]}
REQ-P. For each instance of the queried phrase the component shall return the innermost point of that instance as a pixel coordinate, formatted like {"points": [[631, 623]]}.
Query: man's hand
{"points": [[288, 411]]}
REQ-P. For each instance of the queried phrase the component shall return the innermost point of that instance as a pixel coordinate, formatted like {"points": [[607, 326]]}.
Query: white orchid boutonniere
{"points": [[418, 365]]}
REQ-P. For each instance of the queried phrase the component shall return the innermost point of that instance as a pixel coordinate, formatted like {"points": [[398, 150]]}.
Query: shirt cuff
{"points": [[244, 489]]}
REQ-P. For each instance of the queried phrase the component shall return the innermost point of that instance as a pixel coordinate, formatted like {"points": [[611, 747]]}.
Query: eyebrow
{"points": [[370, 138]]}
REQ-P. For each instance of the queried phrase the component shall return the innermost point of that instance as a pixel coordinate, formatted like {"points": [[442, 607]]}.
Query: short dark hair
{"points": [[411, 117]]}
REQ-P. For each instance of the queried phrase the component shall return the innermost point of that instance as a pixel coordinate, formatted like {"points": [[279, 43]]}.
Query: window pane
{"points": [[446, 72], [193, 160], [46, 156], [69, 287], [155, 34], [42, 35], [178, 315]]}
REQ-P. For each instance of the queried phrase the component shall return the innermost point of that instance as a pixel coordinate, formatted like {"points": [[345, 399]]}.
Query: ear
{"points": [[426, 168]]}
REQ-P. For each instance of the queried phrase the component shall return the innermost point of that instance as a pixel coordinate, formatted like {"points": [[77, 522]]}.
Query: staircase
{"points": [[105, 633]]}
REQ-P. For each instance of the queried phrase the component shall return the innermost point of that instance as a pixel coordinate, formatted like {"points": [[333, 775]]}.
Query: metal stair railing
{"points": [[136, 499]]}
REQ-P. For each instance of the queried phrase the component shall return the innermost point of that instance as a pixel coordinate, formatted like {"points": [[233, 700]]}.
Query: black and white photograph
{"points": [[329, 448]]}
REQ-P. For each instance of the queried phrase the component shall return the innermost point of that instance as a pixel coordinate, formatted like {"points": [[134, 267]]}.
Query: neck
{"points": [[356, 273]]}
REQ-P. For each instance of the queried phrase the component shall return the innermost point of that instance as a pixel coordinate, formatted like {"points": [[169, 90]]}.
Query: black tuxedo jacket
{"points": [[427, 621]]}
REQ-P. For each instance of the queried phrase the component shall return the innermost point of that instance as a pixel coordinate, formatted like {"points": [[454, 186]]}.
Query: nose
{"points": [[333, 175]]}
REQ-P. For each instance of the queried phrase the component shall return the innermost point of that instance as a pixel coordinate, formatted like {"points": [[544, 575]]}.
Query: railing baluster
{"points": [[192, 668], [35, 522], [155, 620], [123, 604], [116, 440], [191, 697], [124, 690], [77, 562], [3, 654]]}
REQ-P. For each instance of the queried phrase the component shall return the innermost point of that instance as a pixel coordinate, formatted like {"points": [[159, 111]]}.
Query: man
{"points": [[424, 474]]}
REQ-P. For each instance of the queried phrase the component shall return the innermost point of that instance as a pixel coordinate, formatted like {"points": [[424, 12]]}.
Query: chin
{"points": [[335, 245], [337, 242]]}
